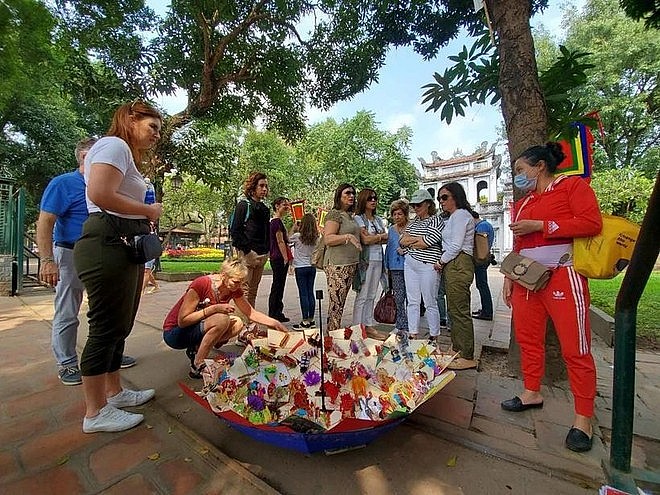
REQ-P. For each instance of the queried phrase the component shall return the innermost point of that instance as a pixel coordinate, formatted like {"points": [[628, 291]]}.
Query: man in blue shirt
{"points": [[63, 212], [481, 272]]}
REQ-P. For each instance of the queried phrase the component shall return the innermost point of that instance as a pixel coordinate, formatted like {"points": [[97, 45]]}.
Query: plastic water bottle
{"points": [[150, 194]]}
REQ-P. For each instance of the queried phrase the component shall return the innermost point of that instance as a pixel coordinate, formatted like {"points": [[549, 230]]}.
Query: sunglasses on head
{"points": [[444, 197]]}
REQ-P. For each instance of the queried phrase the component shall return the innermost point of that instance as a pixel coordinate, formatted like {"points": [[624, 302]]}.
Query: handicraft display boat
{"points": [[299, 391]]}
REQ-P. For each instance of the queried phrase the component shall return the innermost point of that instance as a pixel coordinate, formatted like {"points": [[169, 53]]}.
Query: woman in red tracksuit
{"points": [[554, 211]]}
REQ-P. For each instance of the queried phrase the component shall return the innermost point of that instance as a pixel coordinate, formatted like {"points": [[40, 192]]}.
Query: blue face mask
{"points": [[524, 183]]}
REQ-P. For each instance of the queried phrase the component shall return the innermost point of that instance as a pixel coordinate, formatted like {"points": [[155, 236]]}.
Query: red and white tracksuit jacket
{"points": [[568, 209]]}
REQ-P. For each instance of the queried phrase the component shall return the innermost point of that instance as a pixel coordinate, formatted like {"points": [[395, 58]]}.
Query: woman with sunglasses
{"points": [[372, 235], [115, 200], [342, 240], [457, 267], [204, 316], [422, 243]]}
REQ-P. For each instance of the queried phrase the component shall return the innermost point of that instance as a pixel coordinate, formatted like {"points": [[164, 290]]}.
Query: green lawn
{"points": [[180, 266], [189, 266], [604, 293]]}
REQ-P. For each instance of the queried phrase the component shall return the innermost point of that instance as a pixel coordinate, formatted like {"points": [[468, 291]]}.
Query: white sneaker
{"points": [[110, 418], [128, 398]]}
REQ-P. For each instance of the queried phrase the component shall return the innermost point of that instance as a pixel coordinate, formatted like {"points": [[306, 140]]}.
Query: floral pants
{"points": [[340, 279]]}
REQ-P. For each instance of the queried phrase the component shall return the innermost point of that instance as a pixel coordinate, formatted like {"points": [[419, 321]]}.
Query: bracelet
{"points": [[346, 239], [48, 259]]}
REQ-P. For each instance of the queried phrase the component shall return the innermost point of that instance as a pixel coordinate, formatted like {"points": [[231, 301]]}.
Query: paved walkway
{"points": [[43, 450]]}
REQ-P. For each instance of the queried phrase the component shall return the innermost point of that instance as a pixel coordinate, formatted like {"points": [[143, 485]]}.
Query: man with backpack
{"points": [[481, 272], [249, 230]]}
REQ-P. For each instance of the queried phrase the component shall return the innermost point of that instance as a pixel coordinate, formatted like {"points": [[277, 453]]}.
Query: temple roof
{"points": [[479, 155]]}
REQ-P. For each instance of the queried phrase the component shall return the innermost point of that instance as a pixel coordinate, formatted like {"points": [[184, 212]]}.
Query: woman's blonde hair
{"points": [[235, 269]]}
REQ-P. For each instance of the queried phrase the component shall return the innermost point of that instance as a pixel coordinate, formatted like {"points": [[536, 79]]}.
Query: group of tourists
{"points": [[88, 215]]}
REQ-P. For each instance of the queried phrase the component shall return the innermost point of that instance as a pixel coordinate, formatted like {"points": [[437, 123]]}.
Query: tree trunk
{"points": [[525, 119]]}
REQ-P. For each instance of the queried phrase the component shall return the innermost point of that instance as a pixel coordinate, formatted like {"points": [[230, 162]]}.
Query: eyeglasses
{"points": [[372, 198], [444, 197]]}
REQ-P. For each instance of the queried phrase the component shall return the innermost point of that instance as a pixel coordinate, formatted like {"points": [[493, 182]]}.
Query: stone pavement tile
{"points": [[23, 427], [507, 432], [449, 409], [135, 484], [19, 406], [603, 411], [181, 478], [556, 409], [57, 481], [647, 425], [9, 467], [646, 372], [462, 386], [550, 438], [648, 357], [49, 449], [492, 390], [124, 453]]}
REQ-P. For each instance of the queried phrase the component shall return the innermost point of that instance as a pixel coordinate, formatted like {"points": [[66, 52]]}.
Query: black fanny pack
{"points": [[141, 247]]}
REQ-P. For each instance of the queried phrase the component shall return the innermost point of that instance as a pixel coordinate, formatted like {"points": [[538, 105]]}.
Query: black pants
{"points": [[113, 284], [275, 304]]}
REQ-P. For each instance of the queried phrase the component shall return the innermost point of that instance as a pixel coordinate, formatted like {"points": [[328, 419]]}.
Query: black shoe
{"points": [[578, 441], [304, 324], [282, 318], [191, 353], [478, 315], [516, 405], [196, 371]]}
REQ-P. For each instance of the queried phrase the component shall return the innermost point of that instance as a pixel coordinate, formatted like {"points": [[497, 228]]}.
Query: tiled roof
{"points": [[459, 159]]}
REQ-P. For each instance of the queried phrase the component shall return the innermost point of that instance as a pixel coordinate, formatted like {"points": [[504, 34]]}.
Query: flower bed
{"points": [[194, 254]]}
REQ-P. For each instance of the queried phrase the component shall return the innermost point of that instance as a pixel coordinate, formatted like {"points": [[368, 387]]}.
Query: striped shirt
{"points": [[430, 229]]}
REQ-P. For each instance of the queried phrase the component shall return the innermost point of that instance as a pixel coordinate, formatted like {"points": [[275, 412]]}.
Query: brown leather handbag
{"points": [[531, 274], [385, 309]]}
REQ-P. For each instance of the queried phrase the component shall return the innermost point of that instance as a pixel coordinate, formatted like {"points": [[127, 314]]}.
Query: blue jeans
{"points": [[68, 297], [305, 277], [481, 279]]}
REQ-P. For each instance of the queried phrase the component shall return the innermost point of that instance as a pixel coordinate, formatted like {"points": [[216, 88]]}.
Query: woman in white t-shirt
{"points": [[305, 238], [116, 203]]}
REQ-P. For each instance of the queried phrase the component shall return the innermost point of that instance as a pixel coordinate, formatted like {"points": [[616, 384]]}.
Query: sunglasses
{"points": [[349, 193], [444, 197], [372, 198]]}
